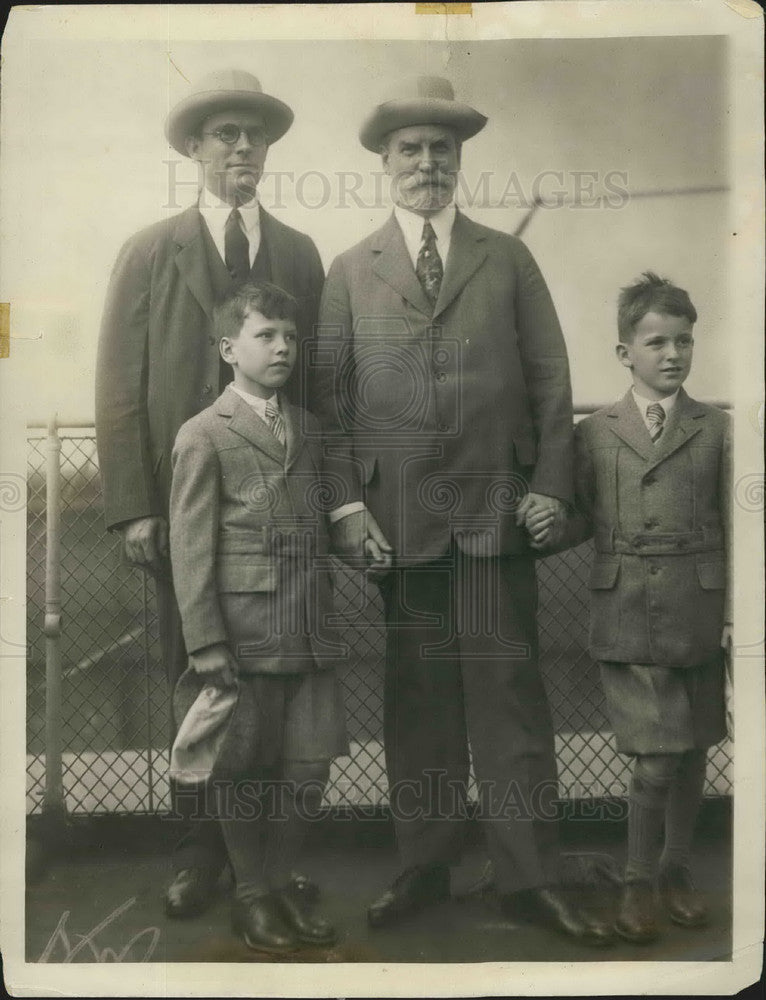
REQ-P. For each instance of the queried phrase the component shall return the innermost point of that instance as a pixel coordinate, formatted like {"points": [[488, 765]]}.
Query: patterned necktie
{"points": [[656, 417], [429, 265], [236, 247], [275, 422]]}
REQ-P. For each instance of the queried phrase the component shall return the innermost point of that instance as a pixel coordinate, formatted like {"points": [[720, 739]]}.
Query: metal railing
{"points": [[97, 707]]}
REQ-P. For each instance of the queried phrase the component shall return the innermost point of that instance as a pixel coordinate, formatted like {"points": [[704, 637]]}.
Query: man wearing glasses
{"points": [[158, 361]]}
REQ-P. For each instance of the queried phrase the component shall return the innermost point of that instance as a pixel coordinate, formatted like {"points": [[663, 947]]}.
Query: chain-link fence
{"points": [[114, 696]]}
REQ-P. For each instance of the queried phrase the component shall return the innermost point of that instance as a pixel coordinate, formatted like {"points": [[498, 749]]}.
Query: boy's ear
{"points": [[623, 354], [224, 346]]}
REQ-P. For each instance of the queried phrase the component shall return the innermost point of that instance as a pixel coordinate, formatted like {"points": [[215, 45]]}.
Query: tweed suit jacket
{"points": [[158, 361], [441, 418], [659, 516], [248, 543]]}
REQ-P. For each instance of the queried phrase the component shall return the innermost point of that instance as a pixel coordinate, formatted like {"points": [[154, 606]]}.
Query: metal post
{"points": [[54, 810]]}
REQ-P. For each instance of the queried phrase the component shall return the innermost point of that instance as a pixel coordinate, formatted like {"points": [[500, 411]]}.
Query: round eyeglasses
{"points": [[230, 134]]}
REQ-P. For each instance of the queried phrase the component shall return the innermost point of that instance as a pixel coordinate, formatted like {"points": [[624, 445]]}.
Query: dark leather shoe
{"points": [[548, 907], [296, 911], [636, 919], [191, 892], [411, 891], [308, 890], [683, 903], [260, 923]]}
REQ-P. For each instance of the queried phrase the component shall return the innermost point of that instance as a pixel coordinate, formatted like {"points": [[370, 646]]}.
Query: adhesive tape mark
{"points": [[5, 329]]}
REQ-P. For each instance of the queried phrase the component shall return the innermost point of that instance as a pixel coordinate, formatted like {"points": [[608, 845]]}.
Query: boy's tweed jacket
{"points": [[248, 540], [659, 516]]}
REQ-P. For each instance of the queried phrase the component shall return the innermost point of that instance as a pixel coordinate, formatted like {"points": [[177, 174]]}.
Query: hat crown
{"points": [[429, 88], [228, 79]]}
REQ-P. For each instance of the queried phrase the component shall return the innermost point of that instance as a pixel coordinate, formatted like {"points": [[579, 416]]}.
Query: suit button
{"points": [[207, 389], [654, 570], [651, 523], [443, 428], [441, 377]]}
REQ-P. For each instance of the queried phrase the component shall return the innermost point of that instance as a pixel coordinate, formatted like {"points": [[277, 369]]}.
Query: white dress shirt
{"points": [[215, 213], [642, 403], [411, 226]]}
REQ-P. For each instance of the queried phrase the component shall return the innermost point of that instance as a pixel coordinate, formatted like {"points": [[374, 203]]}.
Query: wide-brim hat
{"points": [[203, 714], [226, 90], [421, 100]]}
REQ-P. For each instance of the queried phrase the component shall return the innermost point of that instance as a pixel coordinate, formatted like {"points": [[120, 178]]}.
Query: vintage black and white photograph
{"points": [[381, 499]]}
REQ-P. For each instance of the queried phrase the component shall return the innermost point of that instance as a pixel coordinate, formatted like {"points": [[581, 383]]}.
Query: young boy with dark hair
{"points": [[653, 489], [247, 542]]}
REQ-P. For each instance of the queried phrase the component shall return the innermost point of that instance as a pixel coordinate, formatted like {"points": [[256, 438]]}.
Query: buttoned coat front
{"points": [[158, 360], [448, 414], [659, 516], [247, 539]]}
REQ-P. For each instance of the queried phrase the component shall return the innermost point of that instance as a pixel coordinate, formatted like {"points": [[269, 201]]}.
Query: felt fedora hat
{"points": [[225, 90], [421, 100]]}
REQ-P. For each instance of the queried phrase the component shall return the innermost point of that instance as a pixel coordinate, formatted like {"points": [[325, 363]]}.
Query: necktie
{"points": [[429, 265], [236, 247], [656, 417], [275, 422]]}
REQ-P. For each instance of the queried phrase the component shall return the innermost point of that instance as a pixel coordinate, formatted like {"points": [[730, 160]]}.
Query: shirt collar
{"points": [[667, 403], [215, 212], [411, 225], [258, 404]]}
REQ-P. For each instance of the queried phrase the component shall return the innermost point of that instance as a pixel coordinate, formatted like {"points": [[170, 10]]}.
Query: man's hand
{"points": [[543, 517], [358, 540], [146, 543], [215, 665]]}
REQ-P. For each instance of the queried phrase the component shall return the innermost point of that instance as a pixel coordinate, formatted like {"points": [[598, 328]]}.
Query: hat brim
{"points": [[188, 115], [464, 120]]}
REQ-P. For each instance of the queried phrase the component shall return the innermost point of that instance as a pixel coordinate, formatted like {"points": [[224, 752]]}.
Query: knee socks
{"points": [[666, 790], [264, 844]]}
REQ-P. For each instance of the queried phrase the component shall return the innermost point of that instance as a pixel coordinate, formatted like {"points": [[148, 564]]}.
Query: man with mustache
{"points": [[442, 382], [158, 361]]}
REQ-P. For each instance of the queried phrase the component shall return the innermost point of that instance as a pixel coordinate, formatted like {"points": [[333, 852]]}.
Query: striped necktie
{"points": [[275, 422], [656, 417], [429, 267]]}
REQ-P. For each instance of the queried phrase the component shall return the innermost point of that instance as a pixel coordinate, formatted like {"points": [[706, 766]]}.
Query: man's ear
{"points": [[384, 155], [623, 354], [192, 145]]}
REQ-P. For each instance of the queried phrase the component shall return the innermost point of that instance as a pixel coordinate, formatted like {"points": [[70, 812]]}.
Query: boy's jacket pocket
{"points": [[603, 573]]}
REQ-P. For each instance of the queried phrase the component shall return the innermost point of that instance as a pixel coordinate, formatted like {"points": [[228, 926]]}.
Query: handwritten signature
{"points": [[146, 939]]}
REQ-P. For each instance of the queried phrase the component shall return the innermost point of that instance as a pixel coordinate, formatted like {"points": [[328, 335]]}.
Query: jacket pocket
{"points": [[711, 574], [603, 573], [246, 574]]}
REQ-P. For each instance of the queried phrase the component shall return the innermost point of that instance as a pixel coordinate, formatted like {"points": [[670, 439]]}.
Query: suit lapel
{"points": [[281, 263], [243, 420], [467, 253], [682, 425], [294, 436], [392, 263], [191, 259], [628, 424]]}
